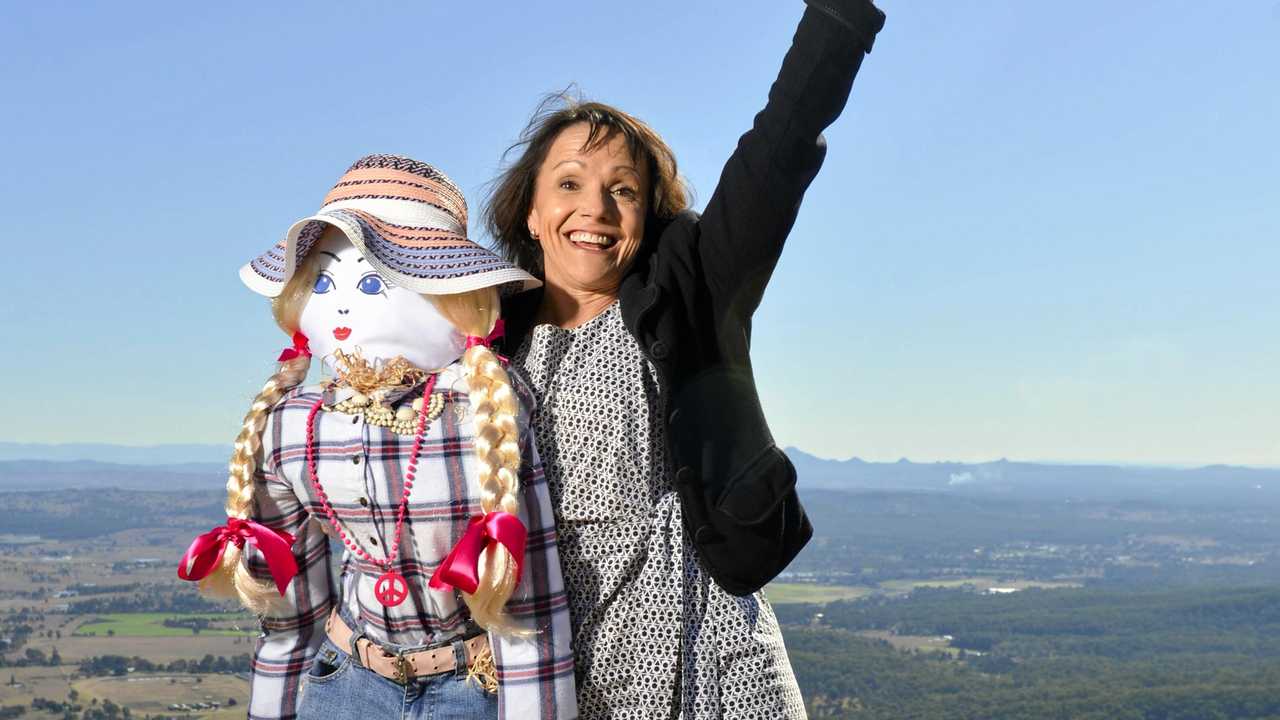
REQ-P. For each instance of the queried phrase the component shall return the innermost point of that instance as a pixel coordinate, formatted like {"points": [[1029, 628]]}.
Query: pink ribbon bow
{"points": [[205, 553], [461, 568], [499, 328], [300, 348]]}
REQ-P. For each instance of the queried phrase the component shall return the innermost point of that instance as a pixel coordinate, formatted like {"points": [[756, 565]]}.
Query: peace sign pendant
{"points": [[391, 589]]}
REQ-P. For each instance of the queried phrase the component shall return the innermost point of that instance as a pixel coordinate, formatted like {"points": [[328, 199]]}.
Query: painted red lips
{"points": [[342, 333]]}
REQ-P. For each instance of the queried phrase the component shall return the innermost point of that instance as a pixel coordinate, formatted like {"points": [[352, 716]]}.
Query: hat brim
{"points": [[427, 261]]}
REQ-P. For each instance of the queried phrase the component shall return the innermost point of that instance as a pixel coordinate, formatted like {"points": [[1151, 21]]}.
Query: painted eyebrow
{"points": [[335, 257]]}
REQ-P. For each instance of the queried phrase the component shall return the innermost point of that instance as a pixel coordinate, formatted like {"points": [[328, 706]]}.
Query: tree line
{"points": [[1089, 654], [121, 665]]}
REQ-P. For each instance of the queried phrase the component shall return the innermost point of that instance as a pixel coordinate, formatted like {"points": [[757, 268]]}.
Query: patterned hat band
{"points": [[407, 219]]}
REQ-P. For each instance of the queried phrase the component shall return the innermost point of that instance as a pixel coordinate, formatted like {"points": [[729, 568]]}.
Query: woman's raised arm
{"points": [[748, 217]]}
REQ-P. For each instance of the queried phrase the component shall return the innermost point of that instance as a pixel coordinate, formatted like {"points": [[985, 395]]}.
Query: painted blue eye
{"points": [[324, 284], [371, 284]]}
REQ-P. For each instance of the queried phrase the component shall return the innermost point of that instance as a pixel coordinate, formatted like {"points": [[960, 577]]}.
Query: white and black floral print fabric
{"points": [[653, 636]]}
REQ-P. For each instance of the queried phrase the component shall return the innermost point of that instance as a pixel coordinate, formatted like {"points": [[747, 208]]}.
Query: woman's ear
{"points": [[532, 223]]}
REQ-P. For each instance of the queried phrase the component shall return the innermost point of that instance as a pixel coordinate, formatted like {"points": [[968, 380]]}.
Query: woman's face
{"points": [[588, 211]]}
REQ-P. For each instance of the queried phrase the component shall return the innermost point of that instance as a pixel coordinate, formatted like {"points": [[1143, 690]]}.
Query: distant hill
{"points": [[119, 454], [25, 466], [31, 467], [54, 475], [1218, 485]]}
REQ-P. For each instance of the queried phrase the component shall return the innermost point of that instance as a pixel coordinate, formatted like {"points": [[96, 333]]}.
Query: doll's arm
{"points": [[535, 674], [294, 628]]}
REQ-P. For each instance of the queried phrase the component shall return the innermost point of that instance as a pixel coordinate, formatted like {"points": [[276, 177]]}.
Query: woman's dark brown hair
{"points": [[506, 212]]}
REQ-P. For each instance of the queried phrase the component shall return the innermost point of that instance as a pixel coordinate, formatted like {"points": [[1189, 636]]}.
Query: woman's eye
{"points": [[371, 285], [626, 192], [568, 185], [324, 284]]}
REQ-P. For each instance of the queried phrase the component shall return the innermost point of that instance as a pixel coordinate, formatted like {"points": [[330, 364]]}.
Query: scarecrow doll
{"points": [[412, 458]]}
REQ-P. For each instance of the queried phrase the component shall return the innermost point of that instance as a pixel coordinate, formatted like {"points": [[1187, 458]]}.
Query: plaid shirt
{"points": [[361, 469]]}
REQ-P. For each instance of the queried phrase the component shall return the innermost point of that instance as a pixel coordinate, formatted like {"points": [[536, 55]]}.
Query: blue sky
{"points": [[1043, 231]]}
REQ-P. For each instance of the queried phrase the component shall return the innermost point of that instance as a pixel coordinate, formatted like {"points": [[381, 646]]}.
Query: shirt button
{"points": [[658, 350], [373, 540], [364, 502], [355, 459]]}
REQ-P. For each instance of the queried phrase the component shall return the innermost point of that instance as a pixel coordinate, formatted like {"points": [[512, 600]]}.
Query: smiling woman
{"points": [[575, 206], [673, 504], [588, 216]]}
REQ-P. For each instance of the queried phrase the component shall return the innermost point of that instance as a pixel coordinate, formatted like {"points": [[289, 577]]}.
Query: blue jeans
{"points": [[337, 688]]}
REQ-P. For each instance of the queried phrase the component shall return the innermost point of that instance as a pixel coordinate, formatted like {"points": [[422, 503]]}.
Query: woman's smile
{"points": [[593, 242], [342, 333]]}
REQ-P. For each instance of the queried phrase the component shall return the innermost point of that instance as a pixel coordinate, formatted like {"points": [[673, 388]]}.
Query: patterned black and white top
{"points": [[653, 635]]}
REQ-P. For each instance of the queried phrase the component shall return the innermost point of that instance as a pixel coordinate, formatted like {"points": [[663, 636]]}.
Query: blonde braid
{"points": [[497, 444], [232, 579]]}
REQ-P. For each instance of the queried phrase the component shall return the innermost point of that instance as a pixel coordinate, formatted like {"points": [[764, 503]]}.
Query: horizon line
{"points": [[1004, 458]]}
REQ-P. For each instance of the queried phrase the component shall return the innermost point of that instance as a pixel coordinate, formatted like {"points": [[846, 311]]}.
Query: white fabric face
{"points": [[353, 307]]}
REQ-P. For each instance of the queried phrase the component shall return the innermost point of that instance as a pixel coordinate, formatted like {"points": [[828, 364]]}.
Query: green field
{"points": [[980, 583], [152, 625], [782, 593], [786, 593]]}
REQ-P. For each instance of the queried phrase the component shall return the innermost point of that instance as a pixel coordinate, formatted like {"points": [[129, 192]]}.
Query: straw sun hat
{"points": [[407, 219]]}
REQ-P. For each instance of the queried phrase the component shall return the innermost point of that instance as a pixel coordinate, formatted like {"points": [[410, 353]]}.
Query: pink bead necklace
{"points": [[391, 588]]}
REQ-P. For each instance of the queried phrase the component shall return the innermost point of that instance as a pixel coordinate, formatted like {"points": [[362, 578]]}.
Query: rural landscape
{"points": [[930, 590]]}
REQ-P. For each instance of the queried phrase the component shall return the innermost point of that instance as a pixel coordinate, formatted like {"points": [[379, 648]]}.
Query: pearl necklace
{"points": [[400, 422], [391, 588]]}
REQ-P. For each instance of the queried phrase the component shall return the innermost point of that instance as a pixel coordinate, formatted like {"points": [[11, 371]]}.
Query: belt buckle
{"points": [[404, 670]]}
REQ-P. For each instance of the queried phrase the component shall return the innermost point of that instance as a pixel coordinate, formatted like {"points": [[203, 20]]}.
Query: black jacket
{"points": [[689, 296]]}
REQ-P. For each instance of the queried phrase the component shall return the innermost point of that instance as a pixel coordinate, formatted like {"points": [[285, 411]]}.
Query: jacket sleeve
{"points": [[754, 205], [294, 628], [535, 672]]}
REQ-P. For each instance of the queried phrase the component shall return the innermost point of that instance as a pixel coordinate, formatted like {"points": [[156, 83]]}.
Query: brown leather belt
{"points": [[402, 667]]}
